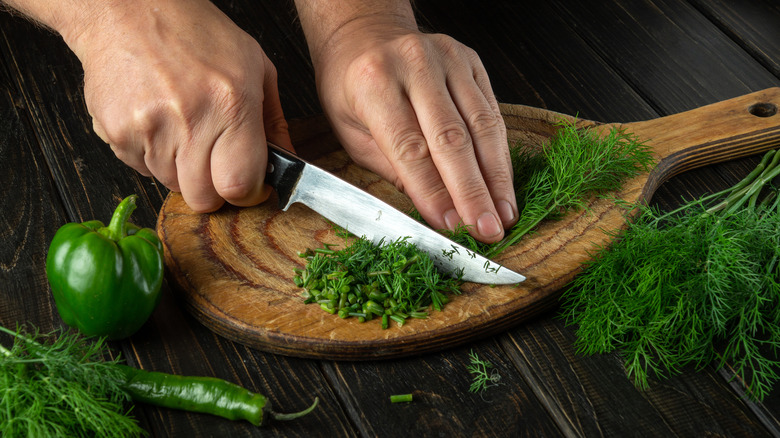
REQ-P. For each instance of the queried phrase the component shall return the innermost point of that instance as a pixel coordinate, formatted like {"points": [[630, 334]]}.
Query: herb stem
{"points": [[401, 398], [518, 232]]}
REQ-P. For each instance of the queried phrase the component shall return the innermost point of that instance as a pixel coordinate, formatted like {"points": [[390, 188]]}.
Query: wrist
{"points": [[68, 18], [95, 23], [326, 24]]}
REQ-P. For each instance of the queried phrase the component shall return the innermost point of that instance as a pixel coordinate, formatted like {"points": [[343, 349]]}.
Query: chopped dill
{"points": [[393, 281]]}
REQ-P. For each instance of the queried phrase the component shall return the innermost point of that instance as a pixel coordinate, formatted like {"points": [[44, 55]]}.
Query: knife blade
{"points": [[364, 215]]}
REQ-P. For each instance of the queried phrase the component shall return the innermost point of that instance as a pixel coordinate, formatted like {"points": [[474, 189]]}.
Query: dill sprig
{"points": [[392, 281], [696, 286], [482, 373], [574, 166], [579, 164], [60, 385]]}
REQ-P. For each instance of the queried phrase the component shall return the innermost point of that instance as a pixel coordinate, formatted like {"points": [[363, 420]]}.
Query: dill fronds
{"points": [[63, 388], [574, 166], [482, 373], [693, 287]]}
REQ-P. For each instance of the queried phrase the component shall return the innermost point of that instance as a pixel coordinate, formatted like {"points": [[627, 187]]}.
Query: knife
{"points": [[365, 215]]}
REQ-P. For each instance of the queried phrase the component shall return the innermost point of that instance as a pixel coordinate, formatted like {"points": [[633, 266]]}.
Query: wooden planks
{"points": [[29, 203], [752, 25]]}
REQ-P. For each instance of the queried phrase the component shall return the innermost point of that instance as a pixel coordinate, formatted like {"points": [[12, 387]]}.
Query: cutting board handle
{"points": [[719, 132]]}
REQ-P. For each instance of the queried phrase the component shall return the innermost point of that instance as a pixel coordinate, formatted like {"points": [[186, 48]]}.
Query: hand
{"points": [[418, 110], [183, 94]]}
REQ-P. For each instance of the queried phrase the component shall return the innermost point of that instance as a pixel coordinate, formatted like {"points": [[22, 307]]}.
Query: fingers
{"points": [[443, 133], [221, 159], [453, 149], [394, 126], [240, 156], [188, 104], [479, 109]]}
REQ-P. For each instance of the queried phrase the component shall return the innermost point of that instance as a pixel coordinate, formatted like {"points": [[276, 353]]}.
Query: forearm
{"points": [[325, 20], [83, 22]]}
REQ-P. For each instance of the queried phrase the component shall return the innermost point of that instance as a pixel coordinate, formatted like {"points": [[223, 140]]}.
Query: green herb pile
{"points": [[691, 287], [62, 389], [392, 281]]}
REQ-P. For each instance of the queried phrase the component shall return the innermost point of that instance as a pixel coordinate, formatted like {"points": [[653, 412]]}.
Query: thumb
{"points": [[276, 127]]}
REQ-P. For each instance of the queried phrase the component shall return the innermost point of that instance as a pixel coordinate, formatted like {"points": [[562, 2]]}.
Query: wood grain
{"points": [[235, 267]]}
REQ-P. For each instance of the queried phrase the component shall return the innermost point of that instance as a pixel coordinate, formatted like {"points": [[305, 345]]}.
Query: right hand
{"points": [[181, 93]]}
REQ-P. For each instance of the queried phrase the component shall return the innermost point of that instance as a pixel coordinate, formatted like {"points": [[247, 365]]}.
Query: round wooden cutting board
{"points": [[234, 268]]}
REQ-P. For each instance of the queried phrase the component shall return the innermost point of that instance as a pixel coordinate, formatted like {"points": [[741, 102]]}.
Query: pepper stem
{"points": [[117, 228], [293, 416]]}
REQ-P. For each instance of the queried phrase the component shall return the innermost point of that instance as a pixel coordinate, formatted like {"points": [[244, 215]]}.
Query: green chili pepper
{"points": [[106, 280], [207, 395]]}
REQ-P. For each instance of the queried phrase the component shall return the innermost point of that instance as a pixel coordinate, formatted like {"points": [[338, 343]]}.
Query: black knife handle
{"points": [[284, 169]]}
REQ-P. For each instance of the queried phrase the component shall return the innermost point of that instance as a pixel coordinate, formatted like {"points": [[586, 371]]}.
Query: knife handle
{"points": [[284, 170]]}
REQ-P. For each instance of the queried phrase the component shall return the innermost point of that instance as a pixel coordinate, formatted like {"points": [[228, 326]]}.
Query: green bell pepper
{"points": [[106, 280]]}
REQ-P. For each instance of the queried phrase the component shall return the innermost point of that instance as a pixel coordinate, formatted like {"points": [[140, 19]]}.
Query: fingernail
{"points": [[487, 225], [506, 212], [451, 219]]}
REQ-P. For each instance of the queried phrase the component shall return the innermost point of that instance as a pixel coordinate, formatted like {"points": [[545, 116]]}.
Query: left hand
{"points": [[418, 110]]}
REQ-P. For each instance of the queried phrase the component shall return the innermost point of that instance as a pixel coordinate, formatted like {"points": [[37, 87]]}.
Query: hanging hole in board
{"points": [[763, 109]]}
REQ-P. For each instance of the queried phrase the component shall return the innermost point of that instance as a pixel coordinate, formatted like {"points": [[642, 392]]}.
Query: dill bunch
{"points": [[63, 389], [696, 286]]}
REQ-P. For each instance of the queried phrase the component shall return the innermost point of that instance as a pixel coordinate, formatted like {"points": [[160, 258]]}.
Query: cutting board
{"points": [[233, 268]]}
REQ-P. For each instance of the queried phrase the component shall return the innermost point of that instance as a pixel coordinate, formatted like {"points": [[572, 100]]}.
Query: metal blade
{"points": [[362, 214]]}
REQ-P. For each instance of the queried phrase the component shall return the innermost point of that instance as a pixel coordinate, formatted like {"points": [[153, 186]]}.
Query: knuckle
{"points": [[453, 49], [371, 68], [470, 54], [433, 193], [144, 124], [230, 96], [234, 188], [276, 125], [413, 48], [484, 121], [502, 180], [454, 137], [473, 192], [470, 192], [410, 146]]}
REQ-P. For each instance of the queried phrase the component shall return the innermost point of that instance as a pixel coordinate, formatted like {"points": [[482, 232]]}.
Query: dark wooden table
{"points": [[606, 60]]}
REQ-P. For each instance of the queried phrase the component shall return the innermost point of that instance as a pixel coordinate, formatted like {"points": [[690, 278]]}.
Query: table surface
{"points": [[605, 60]]}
